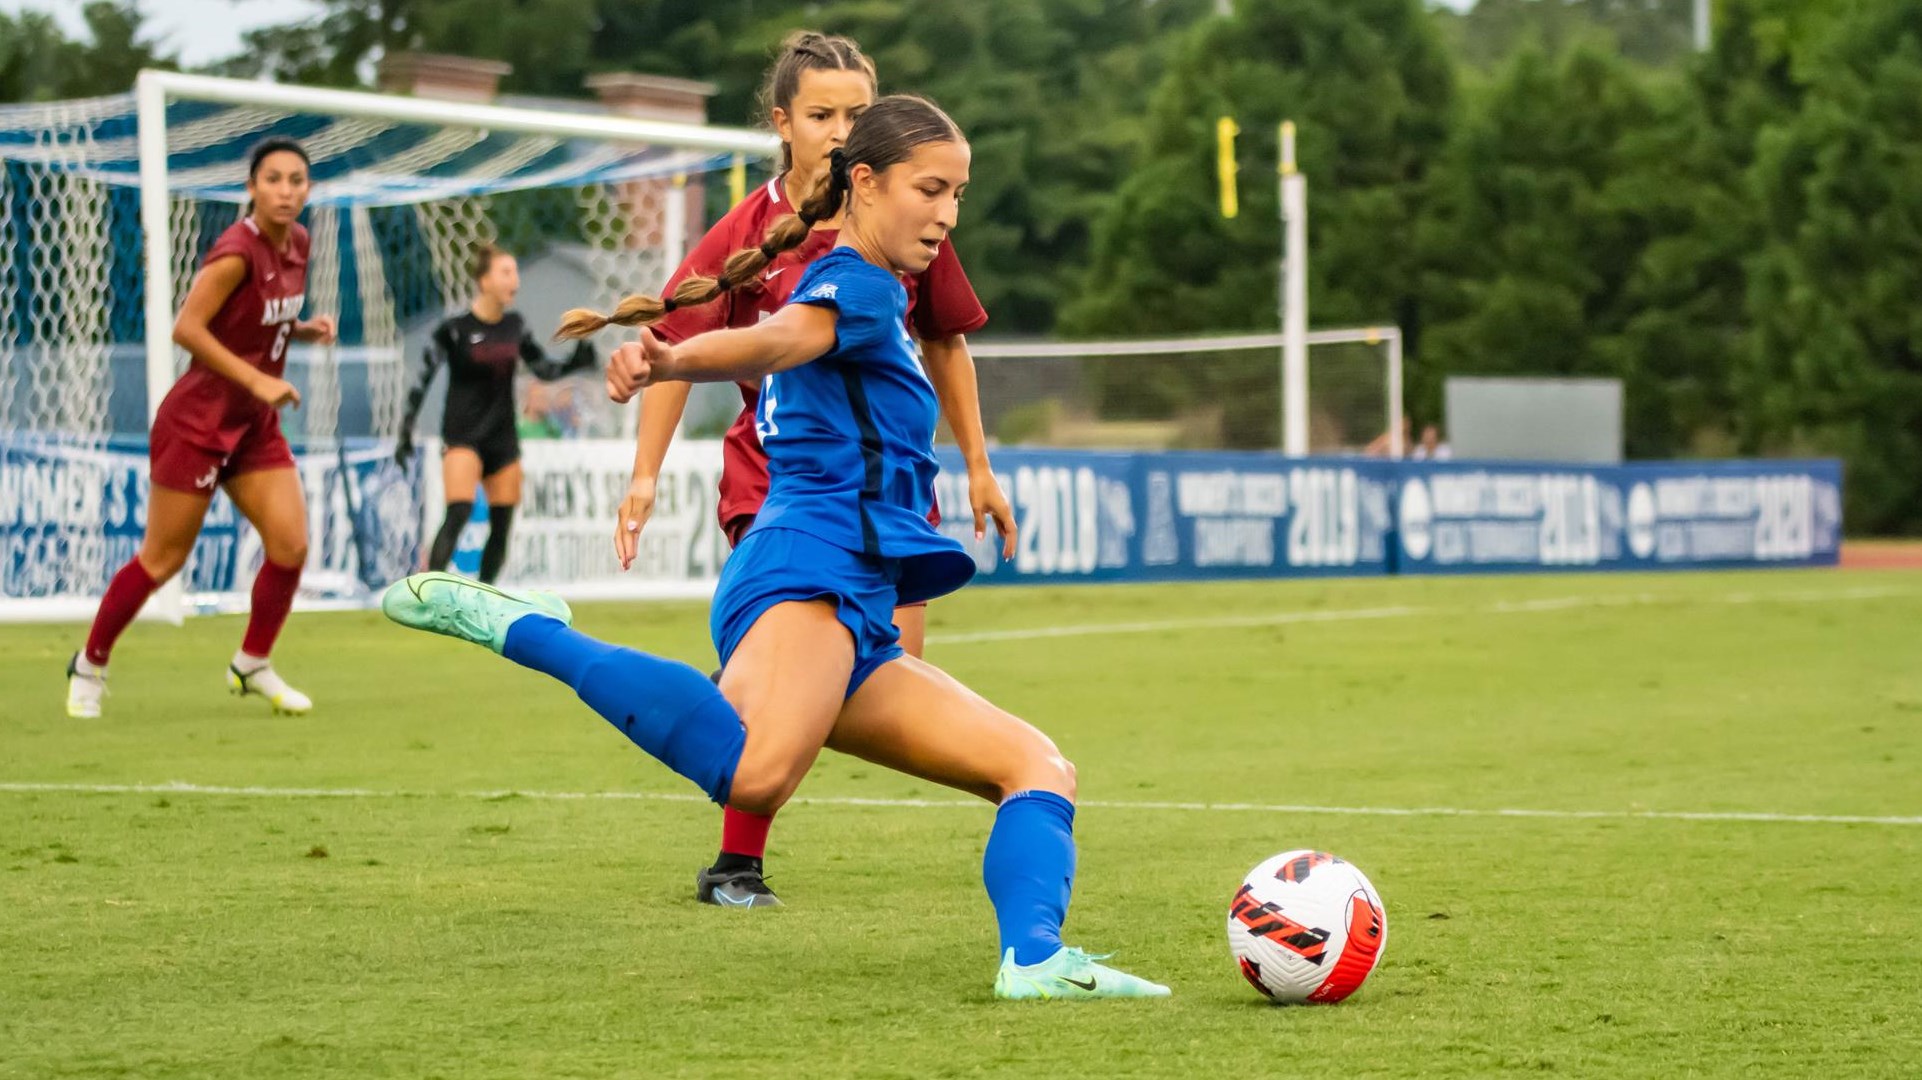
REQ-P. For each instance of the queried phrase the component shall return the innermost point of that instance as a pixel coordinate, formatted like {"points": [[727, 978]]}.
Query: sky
{"points": [[202, 31]]}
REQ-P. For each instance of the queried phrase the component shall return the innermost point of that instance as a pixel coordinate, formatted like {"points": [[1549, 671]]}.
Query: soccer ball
{"points": [[1306, 927]]}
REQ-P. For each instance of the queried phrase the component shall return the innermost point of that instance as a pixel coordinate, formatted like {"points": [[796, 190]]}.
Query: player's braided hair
{"points": [[886, 134]]}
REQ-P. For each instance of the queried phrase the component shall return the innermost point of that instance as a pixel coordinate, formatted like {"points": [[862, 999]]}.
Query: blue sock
{"points": [[664, 707], [1029, 871]]}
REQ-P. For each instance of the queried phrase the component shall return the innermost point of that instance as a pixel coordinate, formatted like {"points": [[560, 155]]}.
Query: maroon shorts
{"points": [[198, 463], [736, 527]]}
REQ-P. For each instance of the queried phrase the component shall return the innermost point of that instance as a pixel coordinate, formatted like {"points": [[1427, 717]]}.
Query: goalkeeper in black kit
{"points": [[482, 348]]}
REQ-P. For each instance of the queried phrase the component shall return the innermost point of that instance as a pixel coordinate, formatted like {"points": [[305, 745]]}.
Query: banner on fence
{"points": [[1086, 516], [70, 513], [1467, 518]]}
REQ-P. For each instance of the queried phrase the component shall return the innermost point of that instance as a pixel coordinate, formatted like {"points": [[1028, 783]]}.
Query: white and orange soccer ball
{"points": [[1306, 926]]}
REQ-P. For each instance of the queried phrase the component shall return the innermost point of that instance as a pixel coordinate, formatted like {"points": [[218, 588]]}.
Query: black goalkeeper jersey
{"points": [[481, 358]]}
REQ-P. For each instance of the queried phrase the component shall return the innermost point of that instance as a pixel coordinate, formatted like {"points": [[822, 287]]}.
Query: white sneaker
{"points": [[267, 683], [85, 690]]}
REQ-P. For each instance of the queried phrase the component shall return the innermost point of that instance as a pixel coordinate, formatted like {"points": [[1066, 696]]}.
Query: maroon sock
{"points": [[126, 593], [274, 589], [743, 833]]}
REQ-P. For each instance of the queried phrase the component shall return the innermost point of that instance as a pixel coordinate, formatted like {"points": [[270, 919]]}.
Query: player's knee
{"points": [[762, 788], [161, 564], [287, 551], [1040, 767]]}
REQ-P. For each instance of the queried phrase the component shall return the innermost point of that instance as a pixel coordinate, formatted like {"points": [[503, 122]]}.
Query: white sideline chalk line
{"points": [[1506, 607], [176, 787]]}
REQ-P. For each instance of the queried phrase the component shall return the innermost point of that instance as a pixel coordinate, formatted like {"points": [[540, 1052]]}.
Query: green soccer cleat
{"points": [[461, 607], [1069, 975]]}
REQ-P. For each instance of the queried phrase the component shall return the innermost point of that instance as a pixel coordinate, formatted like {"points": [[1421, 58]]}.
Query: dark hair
{"points": [[886, 134], [274, 144], [803, 51], [483, 260]]}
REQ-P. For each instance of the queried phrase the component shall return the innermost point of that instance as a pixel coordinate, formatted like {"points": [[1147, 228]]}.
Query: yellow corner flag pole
{"points": [[737, 180], [1225, 132]]}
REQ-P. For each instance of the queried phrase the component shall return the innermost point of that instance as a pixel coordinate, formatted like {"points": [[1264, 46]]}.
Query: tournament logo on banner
{"points": [[1459, 517], [1177, 516]]}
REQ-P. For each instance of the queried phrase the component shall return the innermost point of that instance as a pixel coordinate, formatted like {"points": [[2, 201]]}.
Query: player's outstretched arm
{"points": [[435, 356], [791, 337], [549, 369]]}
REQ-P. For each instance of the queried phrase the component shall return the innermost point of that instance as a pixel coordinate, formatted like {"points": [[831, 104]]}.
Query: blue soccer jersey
{"points": [[850, 435]]}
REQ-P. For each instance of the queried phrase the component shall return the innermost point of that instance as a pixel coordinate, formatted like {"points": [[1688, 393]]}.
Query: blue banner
{"points": [[1182, 516], [1487, 518], [1093, 516], [72, 513]]}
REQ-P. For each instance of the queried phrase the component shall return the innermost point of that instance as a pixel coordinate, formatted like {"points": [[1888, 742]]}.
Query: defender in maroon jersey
{"points": [[817, 86], [219, 427]]}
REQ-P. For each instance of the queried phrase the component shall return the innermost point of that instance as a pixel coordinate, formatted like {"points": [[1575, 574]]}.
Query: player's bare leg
{"points": [[912, 621], [913, 717], [272, 501], [173, 523]]}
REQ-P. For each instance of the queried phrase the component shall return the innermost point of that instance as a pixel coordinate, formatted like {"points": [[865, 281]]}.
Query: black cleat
{"points": [[742, 888]]}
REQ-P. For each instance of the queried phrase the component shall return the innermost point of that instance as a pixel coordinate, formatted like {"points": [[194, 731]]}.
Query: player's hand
{"points": [[989, 501], [636, 365], [636, 508], [275, 392], [319, 330]]}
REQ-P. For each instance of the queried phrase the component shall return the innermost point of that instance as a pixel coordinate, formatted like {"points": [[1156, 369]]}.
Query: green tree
{"points": [[1561, 243], [1836, 363], [38, 62], [1371, 90]]}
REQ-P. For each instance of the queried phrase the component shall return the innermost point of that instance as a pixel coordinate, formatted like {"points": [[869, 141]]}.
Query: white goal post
{"points": [[106, 206], [1357, 397]]}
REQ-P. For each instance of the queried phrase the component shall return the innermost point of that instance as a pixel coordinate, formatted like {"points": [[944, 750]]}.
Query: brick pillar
{"points": [[432, 75], [658, 97]]}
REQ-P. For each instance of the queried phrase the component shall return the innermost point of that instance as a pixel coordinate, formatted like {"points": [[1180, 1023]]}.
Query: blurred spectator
{"points": [[1431, 447], [1381, 445]]}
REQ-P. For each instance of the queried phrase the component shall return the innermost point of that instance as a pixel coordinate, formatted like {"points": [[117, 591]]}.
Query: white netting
{"points": [[398, 209], [1198, 393]]}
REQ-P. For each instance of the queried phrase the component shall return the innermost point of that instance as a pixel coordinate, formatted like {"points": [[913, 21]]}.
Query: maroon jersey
{"points": [[255, 322], [941, 304]]}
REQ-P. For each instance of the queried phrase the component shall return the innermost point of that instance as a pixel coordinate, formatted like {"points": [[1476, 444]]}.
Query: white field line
{"points": [[1505, 607], [176, 787]]}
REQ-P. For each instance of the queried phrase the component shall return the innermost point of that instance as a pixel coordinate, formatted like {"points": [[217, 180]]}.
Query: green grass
{"points": [[426, 929]]}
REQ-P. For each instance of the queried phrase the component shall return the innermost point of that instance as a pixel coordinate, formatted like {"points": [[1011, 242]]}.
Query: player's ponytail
{"points": [[886, 134]]}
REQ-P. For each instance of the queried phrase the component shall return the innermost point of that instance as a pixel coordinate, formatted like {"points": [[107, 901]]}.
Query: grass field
{"points": [[352, 894]]}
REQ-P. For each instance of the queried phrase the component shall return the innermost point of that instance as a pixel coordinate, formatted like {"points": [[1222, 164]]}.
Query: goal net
{"points": [[1195, 393], [106, 207]]}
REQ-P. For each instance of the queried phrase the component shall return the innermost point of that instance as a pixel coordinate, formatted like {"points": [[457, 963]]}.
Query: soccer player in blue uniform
{"points": [[803, 615]]}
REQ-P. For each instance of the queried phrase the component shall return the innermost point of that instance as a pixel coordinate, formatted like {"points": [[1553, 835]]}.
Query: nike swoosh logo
{"points": [[772, 274], [1089, 985]]}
